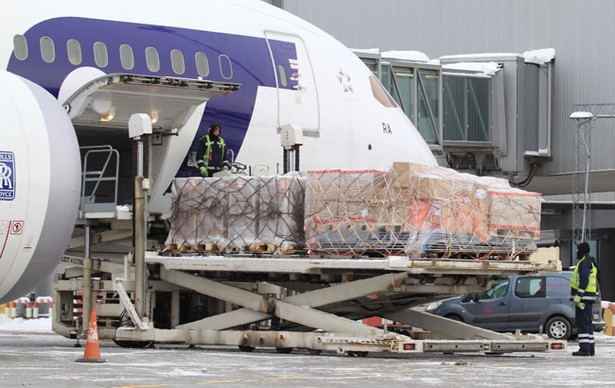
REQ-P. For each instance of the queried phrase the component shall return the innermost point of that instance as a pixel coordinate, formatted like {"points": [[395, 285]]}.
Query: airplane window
{"points": [[127, 57], [73, 47], [48, 51], [282, 74], [101, 56], [202, 64], [20, 47], [152, 59], [381, 94], [226, 68], [177, 61]]}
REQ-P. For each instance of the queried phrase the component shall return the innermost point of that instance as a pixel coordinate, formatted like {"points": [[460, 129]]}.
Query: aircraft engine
{"points": [[40, 175]]}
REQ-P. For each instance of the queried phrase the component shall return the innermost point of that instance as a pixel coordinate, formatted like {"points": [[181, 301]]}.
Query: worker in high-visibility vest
{"points": [[583, 290], [211, 153]]}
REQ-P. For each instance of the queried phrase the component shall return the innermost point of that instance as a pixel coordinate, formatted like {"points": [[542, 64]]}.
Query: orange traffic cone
{"points": [[92, 350]]}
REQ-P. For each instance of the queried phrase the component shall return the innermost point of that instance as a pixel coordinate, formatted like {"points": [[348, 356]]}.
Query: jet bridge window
{"points": [[20, 47], [177, 62], [428, 98], [73, 49], [467, 108], [48, 51], [152, 59], [400, 81], [101, 56], [202, 64], [127, 57]]}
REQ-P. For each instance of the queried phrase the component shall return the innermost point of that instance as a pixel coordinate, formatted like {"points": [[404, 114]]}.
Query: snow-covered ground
{"points": [[41, 325]]}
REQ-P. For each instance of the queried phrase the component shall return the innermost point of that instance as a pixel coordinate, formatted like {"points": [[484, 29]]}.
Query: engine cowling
{"points": [[40, 178]]}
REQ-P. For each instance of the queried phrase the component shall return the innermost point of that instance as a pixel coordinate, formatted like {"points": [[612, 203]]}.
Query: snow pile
{"points": [[539, 57], [407, 55], [24, 325]]}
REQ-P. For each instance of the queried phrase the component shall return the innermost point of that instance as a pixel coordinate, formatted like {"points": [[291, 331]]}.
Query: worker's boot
{"points": [[582, 353]]}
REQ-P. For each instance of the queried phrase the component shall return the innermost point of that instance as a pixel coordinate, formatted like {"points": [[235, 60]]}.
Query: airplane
{"points": [[73, 74]]}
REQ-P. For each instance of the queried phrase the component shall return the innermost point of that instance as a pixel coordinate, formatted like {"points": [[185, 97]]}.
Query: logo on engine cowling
{"points": [[7, 176]]}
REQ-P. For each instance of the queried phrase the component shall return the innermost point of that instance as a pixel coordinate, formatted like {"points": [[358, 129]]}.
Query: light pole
{"points": [[581, 200]]}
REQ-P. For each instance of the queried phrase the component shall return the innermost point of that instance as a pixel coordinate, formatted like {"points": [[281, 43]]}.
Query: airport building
{"points": [[517, 89]]}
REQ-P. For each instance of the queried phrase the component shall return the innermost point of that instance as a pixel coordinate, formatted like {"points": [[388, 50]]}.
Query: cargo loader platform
{"points": [[306, 302]]}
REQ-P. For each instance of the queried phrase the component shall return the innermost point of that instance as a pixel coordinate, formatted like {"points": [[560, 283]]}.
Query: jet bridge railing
{"points": [[99, 183]]}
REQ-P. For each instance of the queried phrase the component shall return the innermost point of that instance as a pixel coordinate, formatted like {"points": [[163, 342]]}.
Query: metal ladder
{"points": [[99, 179]]}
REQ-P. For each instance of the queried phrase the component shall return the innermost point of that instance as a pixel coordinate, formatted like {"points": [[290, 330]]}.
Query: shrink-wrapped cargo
{"points": [[238, 213], [418, 210], [409, 209]]}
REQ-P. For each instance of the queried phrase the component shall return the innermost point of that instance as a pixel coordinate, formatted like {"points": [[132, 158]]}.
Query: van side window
{"points": [[558, 286], [531, 287]]}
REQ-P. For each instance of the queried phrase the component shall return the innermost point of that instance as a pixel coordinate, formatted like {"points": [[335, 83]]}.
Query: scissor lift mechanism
{"points": [[280, 294]]}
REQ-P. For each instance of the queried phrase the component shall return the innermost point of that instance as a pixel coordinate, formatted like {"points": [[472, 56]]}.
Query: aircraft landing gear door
{"points": [[296, 87]]}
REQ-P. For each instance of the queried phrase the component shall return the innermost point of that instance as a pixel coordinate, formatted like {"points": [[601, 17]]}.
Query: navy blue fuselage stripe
{"points": [[250, 58]]}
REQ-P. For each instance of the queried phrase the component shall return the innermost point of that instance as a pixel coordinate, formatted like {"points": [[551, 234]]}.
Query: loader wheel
{"points": [[132, 344], [357, 354]]}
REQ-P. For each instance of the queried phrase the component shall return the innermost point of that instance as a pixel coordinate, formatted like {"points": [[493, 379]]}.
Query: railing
{"points": [[99, 180]]}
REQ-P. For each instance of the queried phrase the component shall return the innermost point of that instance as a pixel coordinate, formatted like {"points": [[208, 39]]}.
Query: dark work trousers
{"points": [[585, 327]]}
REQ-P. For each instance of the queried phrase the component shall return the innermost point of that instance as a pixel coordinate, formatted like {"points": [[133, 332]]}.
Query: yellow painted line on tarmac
{"points": [[143, 386], [218, 381], [287, 378]]}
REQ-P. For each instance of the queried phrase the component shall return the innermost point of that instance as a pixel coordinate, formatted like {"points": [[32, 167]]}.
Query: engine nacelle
{"points": [[40, 179]]}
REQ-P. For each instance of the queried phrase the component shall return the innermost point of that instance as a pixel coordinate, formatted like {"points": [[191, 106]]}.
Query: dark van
{"points": [[530, 304]]}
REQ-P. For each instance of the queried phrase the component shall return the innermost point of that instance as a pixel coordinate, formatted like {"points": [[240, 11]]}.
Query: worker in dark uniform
{"points": [[583, 290], [211, 152]]}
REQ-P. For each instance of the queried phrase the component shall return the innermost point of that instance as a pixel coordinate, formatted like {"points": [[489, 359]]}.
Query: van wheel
{"points": [[558, 328]]}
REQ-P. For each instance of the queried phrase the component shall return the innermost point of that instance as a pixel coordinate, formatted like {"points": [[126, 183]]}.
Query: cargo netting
{"points": [[238, 213], [409, 209], [421, 211]]}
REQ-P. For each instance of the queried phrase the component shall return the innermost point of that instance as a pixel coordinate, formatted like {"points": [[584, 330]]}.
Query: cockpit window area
{"points": [[380, 93]]}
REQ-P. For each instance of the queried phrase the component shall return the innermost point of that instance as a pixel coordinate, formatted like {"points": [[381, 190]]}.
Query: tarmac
{"points": [[48, 360]]}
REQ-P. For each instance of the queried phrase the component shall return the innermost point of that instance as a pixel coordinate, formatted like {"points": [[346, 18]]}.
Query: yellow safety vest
{"points": [[575, 280]]}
